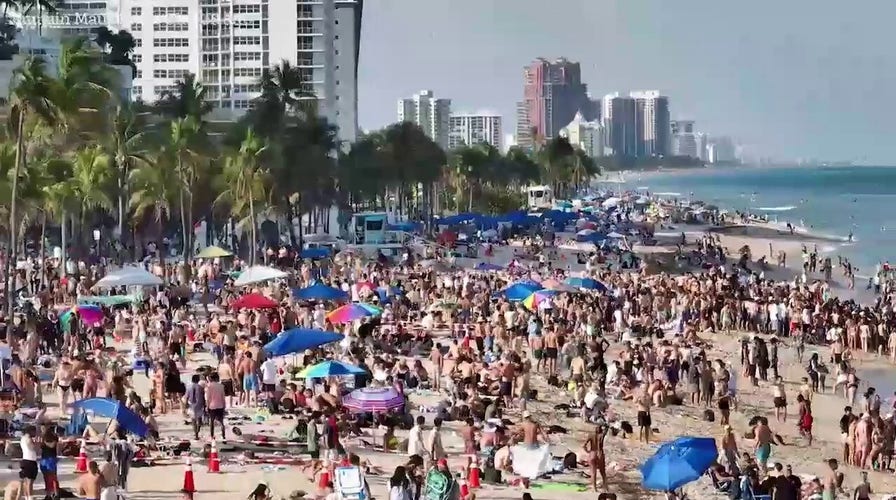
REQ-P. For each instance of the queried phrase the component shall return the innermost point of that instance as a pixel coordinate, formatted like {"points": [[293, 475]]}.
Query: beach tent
{"points": [[259, 274], [213, 252], [298, 340], [678, 462], [113, 409], [109, 300], [586, 283], [319, 291], [129, 276]]}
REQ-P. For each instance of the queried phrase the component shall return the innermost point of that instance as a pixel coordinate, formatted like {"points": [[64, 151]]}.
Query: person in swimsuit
{"points": [[597, 461], [49, 460], [63, 382]]}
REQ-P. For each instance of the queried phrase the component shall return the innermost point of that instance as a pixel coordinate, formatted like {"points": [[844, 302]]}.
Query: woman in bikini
{"points": [[63, 382], [594, 446]]}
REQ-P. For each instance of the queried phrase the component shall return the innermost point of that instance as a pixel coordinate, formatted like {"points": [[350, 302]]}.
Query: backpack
{"points": [[438, 486]]}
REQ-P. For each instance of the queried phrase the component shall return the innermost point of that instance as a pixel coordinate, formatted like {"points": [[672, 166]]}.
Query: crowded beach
{"points": [[612, 347]]}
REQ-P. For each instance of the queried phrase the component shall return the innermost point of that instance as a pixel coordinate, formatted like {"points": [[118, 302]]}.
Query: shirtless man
{"points": [[831, 481], [644, 402], [577, 367], [531, 430], [551, 351], [13, 490], [247, 371], [508, 376], [537, 348], [779, 397], [438, 363], [763, 445], [90, 485]]}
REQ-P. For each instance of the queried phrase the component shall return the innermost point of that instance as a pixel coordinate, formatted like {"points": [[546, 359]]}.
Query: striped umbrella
{"points": [[373, 399]]}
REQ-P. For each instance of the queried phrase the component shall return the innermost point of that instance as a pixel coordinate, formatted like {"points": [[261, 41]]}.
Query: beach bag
{"points": [[438, 486]]}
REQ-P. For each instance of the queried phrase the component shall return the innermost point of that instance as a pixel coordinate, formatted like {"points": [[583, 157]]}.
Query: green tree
{"points": [[33, 95], [183, 142], [246, 184], [188, 99], [92, 174], [152, 188], [41, 7], [127, 144]]}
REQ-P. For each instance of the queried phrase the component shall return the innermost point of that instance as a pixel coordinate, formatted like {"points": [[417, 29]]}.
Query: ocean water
{"points": [[832, 201]]}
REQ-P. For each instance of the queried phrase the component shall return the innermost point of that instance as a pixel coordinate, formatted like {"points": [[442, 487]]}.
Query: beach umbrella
{"points": [[330, 369], [351, 312], [586, 283], [259, 274], [611, 202], [254, 301], [537, 297], [113, 409], [373, 399], [678, 463], [486, 266], [89, 314], [298, 340], [614, 234], [365, 285], [315, 253], [108, 300], [213, 252], [519, 291], [129, 276], [319, 291], [584, 233]]}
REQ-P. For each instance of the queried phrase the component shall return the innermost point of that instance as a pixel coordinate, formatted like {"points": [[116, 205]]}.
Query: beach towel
{"points": [[530, 461]]}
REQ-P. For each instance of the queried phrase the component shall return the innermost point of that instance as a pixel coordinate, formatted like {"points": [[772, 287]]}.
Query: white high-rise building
{"points": [[226, 44], [588, 135], [475, 128], [431, 114], [653, 128]]}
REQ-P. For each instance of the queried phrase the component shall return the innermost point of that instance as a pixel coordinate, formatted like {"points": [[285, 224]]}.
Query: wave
{"points": [[777, 209], [667, 194]]}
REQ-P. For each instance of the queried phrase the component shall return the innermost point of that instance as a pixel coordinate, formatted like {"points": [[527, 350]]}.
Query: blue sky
{"points": [[794, 78]]}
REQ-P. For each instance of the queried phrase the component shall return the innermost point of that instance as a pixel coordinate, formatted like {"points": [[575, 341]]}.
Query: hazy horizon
{"points": [[790, 79]]}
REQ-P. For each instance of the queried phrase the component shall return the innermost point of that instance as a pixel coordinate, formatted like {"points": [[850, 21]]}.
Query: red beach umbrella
{"points": [[254, 301]]}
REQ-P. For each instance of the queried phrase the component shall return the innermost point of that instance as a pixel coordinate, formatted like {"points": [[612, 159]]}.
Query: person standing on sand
{"points": [[832, 480], [779, 397], [434, 441], [90, 485], [729, 450], [763, 445], [438, 364], [644, 421], [845, 422], [597, 461]]}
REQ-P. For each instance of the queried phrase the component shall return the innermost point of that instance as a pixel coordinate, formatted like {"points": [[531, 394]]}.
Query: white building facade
{"points": [[475, 128], [227, 44], [588, 135], [429, 113]]}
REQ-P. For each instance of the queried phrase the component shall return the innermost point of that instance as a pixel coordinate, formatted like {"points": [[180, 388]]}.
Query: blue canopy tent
{"points": [[113, 409], [315, 253], [679, 462], [299, 339], [385, 294], [319, 291], [406, 226], [586, 283]]}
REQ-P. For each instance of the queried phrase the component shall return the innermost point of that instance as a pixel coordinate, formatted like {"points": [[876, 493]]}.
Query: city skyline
{"points": [[797, 88]]}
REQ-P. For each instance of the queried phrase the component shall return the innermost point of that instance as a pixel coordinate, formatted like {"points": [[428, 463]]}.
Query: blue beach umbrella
{"points": [[319, 291], [299, 339], [113, 409], [678, 463], [519, 291], [330, 369], [587, 284], [315, 253]]}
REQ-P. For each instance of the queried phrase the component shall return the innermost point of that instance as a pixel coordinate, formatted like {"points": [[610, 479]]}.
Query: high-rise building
{"points": [[620, 125], [721, 150], [431, 114], [227, 44], [684, 140], [524, 138], [475, 128], [552, 95], [588, 135], [652, 117]]}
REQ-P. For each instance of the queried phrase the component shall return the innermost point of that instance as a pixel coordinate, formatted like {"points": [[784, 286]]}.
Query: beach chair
{"points": [[751, 495], [349, 483]]}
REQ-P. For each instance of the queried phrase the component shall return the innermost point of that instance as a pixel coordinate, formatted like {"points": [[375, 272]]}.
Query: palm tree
{"points": [[188, 99], [183, 141], [33, 94], [91, 175], [246, 183], [127, 146], [58, 195], [152, 188], [555, 158], [48, 6]]}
